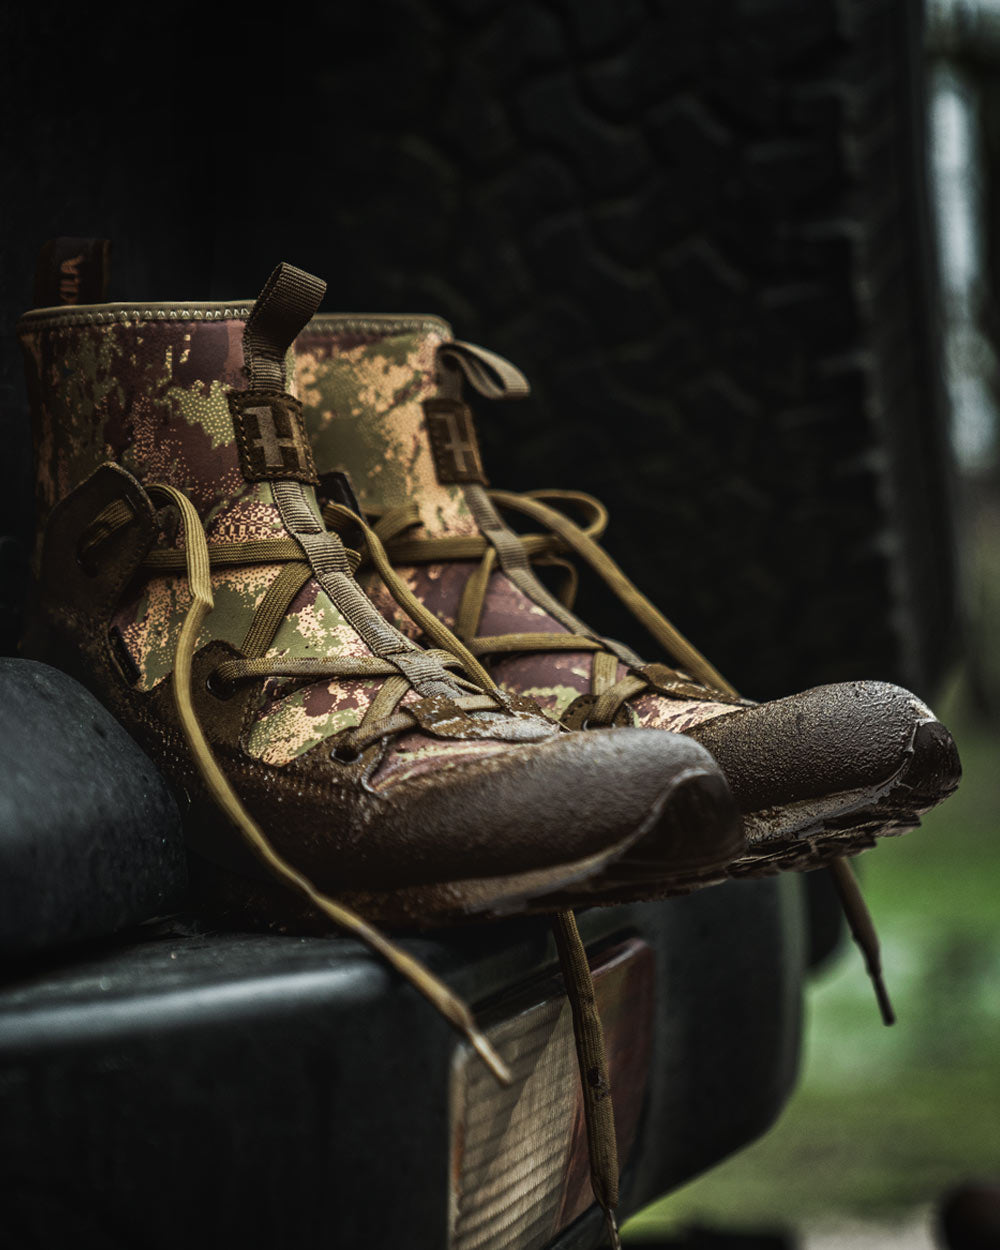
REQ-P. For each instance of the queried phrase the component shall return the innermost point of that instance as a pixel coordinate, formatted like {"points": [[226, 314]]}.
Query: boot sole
{"points": [[693, 795], [811, 833]]}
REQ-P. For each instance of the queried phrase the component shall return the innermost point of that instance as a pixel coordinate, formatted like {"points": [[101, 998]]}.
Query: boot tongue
{"points": [[375, 411]]}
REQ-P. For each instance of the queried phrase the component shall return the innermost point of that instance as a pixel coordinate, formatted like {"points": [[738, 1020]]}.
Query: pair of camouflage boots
{"points": [[377, 710]]}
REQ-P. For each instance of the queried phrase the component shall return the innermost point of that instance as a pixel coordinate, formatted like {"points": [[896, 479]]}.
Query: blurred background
{"points": [[886, 1122], [887, 1125], [748, 252]]}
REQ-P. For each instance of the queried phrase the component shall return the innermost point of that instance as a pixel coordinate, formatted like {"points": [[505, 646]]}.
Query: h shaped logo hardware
{"points": [[270, 436]]}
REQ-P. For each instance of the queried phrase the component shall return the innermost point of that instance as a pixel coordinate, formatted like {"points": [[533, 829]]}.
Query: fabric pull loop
{"points": [[282, 310], [491, 375]]}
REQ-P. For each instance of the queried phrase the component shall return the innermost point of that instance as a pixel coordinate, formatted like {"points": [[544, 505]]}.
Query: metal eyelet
{"points": [[87, 564], [345, 754], [218, 688]]}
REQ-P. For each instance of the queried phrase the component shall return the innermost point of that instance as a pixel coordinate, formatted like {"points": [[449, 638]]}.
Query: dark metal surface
{"points": [[266, 1091]]}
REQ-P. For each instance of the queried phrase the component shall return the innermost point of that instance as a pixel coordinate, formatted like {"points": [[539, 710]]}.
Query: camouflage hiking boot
{"points": [[818, 775], [185, 577]]}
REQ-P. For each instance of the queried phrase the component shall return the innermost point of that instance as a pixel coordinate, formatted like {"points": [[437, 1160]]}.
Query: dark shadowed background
{"points": [[703, 231], [700, 229]]}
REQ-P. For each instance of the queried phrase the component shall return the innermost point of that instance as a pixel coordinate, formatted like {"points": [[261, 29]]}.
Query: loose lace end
{"points": [[882, 996], [862, 928]]}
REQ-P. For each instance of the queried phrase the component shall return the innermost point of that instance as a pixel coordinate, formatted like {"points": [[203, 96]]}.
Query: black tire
{"points": [[701, 229], [90, 836]]}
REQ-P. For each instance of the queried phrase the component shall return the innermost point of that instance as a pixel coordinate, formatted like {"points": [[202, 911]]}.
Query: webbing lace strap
{"points": [[649, 616], [497, 543], [289, 298], [514, 562], [437, 631]]}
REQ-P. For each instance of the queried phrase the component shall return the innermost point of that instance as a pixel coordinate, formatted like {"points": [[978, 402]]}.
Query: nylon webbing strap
{"points": [[283, 308], [324, 551], [422, 670], [328, 559]]}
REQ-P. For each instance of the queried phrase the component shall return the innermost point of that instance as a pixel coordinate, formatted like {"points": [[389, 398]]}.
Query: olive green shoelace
{"points": [[693, 678], [588, 1033], [196, 561]]}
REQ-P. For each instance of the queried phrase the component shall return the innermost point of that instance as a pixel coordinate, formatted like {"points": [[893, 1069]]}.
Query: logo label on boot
{"points": [[453, 441], [72, 271], [271, 437]]}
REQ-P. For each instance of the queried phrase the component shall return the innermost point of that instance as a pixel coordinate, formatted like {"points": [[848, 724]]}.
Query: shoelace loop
{"points": [[694, 677]]}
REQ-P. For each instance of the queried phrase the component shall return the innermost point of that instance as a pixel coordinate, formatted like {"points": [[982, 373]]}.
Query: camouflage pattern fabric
{"points": [[364, 388], [150, 393]]}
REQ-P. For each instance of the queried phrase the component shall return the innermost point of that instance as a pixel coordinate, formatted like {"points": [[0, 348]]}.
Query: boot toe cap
{"points": [[833, 739], [535, 805]]}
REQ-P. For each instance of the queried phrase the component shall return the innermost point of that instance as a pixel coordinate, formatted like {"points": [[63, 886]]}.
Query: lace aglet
{"points": [[614, 1237], [490, 1057], [882, 997]]}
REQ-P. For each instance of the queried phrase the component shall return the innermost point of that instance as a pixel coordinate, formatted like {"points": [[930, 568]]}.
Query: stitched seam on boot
{"points": [[110, 314], [373, 323]]}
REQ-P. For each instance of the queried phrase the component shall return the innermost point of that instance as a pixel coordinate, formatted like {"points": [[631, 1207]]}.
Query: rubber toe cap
{"points": [[831, 739], [534, 805]]}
